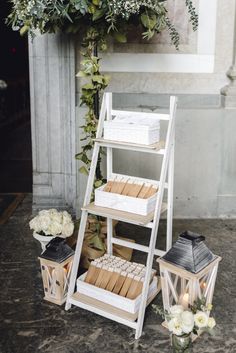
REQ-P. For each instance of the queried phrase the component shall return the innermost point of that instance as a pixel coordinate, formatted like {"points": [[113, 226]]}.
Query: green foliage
{"points": [[103, 17], [192, 13], [174, 35], [95, 20], [95, 83]]}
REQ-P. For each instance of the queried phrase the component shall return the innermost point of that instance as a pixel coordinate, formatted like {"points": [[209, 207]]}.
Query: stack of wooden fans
{"points": [[135, 189], [117, 276]]}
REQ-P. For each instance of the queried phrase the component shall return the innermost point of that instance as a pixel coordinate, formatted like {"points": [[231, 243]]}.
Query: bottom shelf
{"points": [[106, 310]]}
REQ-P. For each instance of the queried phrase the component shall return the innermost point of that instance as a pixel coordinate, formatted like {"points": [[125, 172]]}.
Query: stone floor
{"points": [[29, 324]]}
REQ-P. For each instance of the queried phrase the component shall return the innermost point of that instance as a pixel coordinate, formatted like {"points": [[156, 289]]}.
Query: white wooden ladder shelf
{"points": [[166, 151]]}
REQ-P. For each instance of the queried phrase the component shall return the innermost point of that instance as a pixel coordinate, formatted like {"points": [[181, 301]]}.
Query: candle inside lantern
{"points": [[185, 301], [203, 285]]}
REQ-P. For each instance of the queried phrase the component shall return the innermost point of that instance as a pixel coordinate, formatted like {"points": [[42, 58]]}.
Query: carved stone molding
{"points": [[52, 94]]}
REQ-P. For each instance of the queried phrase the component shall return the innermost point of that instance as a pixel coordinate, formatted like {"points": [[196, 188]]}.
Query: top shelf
{"points": [[157, 148]]}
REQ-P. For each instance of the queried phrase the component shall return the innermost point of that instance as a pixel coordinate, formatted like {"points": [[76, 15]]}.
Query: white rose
{"points": [[67, 229], [44, 221], [55, 228], [176, 310], [174, 325], [35, 224], [211, 323], [201, 319], [66, 217], [44, 213], [187, 320], [52, 210], [56, 217]]}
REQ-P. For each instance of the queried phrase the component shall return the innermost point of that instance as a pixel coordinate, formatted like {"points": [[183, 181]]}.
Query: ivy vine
{"points": [[94, 85]]}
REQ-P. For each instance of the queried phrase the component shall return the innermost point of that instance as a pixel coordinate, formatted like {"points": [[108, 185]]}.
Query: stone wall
{"points": [[144, 75], [204, 168]]}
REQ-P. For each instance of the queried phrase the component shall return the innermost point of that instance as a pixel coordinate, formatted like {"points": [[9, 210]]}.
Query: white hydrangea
{"points": [[44, 221], [55, 228], [66, 217], [35, 224], [67, 229], [52, 222]]}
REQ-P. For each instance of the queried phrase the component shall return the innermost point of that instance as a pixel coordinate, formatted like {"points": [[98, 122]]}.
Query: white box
{"points": [[143, 129], [129, 305], [124, 203]]}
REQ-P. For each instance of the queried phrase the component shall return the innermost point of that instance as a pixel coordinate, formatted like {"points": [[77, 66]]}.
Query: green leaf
{"points": [[96, 2], [149, 20], [99, 13], [83, 170], [98, 243], [24, 30], [106, 79], [88, 86], [98, 78], [81, 74], [91, 9], [84, 158], [120, 37], [98, 183], [79, 155]]}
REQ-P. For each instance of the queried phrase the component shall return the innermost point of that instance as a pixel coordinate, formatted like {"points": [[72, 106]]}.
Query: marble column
{"points": [[229, 91], [52, 92]]}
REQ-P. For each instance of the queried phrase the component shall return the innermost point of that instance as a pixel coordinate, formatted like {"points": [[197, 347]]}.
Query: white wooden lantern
{"points": [[180, 286], [55, 279]]}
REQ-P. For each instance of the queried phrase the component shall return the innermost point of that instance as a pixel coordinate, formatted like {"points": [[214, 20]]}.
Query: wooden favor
{"points": [[127, 283], [134, 190], [113, 279], [93, 272], [119, 282], [106, 277], [103, 272], [135, 287], [108, 186]]}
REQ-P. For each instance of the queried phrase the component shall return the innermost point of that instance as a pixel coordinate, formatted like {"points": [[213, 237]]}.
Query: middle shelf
{"points": [[122, 216]]}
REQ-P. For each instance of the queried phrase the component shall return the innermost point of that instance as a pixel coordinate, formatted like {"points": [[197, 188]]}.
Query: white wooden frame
{"points": [[167, 167], [176, 282]]}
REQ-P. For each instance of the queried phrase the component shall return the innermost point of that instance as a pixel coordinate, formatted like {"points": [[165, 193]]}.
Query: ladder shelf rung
{"points": [[136, 246], [157, 148], [127, 217]]}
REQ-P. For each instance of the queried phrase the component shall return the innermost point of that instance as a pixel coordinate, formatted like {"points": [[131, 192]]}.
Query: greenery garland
{"points": [[95, 20], [96, 83]]}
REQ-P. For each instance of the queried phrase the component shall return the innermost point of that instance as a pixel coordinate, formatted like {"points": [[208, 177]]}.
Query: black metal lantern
{"points": [[56, 262], [190, 252]]}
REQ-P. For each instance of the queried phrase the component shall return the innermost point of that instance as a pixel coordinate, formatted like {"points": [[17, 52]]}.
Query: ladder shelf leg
{"points": [[157, 213], [76, 260], [82, 227], [169, 219]]}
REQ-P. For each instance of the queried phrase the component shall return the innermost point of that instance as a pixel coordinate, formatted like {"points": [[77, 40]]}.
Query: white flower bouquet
{"points": [[52, 223], [181, 322]]}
